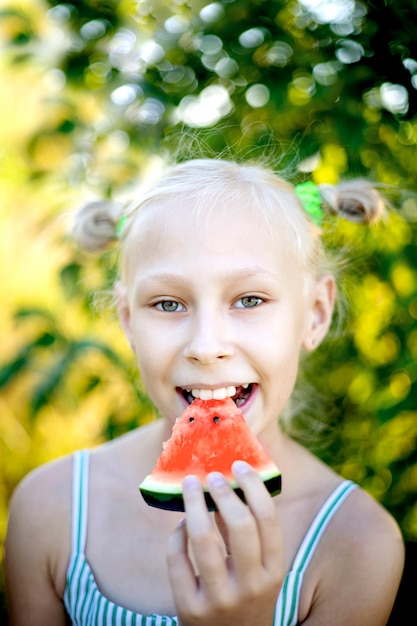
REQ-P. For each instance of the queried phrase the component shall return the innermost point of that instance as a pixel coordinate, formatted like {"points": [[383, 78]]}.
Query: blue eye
{"points": [[248, 302], [170, 306]]}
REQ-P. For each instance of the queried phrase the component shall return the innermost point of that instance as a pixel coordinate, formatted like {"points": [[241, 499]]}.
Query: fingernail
{"points": [[241, 467], [190, 482], [215, 479]]}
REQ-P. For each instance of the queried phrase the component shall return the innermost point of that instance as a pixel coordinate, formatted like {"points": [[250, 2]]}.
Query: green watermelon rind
{"points": [[168, 496]]}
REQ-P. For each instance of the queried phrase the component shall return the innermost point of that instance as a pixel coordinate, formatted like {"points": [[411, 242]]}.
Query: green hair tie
{"points": [[309, 195], [120, 226]]}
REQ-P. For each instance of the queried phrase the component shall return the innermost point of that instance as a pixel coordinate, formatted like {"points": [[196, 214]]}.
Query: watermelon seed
{"points": [[191, 420], [216, 419]]}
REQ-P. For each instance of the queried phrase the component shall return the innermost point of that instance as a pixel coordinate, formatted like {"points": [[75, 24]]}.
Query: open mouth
{"points": [[239, 394]]}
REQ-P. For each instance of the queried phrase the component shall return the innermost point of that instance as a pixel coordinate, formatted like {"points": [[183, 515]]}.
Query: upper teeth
{"points": [[216, 394]]}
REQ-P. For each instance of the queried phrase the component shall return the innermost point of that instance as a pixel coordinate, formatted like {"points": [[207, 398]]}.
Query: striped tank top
{"points": [[87, 606]]}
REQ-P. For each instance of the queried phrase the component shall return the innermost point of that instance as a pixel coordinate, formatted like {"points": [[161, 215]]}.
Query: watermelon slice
{"points": [[208, 436]]}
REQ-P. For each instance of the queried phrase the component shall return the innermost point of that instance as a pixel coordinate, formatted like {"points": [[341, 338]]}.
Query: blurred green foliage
{"points": [[95, 92]]}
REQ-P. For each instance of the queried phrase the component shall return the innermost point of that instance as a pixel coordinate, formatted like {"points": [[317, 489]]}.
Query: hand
{"points": [[240, 587]]}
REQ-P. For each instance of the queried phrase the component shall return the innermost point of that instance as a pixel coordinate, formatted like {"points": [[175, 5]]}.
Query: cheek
{"points": [[153, 349], [277, 337], [276, 352], [145, 347]]}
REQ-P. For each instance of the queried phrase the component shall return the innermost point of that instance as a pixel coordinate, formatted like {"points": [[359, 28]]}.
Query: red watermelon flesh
{"points": [[208, 436]]}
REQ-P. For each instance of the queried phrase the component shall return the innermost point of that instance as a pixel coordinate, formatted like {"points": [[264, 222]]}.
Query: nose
{"points": [[209, 338]]}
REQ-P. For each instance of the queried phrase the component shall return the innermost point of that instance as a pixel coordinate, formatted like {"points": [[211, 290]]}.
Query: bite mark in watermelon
{"points": [[208, 436]]}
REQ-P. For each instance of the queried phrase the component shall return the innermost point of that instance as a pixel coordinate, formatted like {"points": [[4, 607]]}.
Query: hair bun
{"points": [[356, 200], [95, 224]]}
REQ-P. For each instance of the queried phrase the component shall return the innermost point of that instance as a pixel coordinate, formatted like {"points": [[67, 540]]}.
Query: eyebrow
{"points": [[232, 276]]}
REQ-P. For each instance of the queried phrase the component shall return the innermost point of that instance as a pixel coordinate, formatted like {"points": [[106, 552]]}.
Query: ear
{"points": [[321, 307], [122, 304]]}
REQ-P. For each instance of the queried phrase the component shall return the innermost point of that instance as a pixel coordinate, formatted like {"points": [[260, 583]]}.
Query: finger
{"points": [[204, 541], [242, 532], [181, 572], [265, 514]]}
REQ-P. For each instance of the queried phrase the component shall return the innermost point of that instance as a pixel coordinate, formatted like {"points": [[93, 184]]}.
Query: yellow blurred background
{"points": [[67, 377]]}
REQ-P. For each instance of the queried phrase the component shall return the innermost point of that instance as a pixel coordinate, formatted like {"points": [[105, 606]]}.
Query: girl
{"points": [[223, 285]]}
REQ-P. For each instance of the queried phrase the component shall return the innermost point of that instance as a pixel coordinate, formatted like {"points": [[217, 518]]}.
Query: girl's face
{"points": [[216, 305]]}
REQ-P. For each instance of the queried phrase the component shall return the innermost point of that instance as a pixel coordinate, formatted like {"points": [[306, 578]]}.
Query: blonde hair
{"points": [[204, 183]]}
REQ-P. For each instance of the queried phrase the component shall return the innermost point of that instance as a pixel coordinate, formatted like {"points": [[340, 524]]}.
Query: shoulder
{"points": [[367, 541], [369, 530], [44, 488], [38, 532]]}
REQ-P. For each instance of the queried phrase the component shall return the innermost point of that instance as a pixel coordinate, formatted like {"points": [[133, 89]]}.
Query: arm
{"points": [[242, 588], [30, 563]]}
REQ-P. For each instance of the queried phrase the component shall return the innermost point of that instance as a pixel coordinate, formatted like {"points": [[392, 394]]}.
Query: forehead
{"points": [[202, 220], [224, 232]]}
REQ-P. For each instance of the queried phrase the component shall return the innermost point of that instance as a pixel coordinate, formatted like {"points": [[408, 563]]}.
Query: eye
{"points": [[248, 302], [170, 306]]}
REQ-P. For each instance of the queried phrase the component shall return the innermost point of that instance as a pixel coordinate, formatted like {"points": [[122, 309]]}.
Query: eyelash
{"points": [[160, 306], [257, 301], [179, 308]]}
